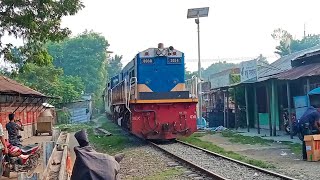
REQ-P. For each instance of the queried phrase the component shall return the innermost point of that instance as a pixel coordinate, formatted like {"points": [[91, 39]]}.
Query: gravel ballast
{"points": [[218, 165]]}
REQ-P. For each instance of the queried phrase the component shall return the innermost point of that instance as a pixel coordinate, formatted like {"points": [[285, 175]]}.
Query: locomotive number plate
{"points": [[174, 61], [147, 61]]}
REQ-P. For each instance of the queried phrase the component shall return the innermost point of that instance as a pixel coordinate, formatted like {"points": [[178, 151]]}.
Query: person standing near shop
{"points": [[309, 124]]}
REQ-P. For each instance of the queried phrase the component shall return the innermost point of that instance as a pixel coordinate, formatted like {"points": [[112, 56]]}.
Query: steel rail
{"points": [[205, 171], [239, 162]]}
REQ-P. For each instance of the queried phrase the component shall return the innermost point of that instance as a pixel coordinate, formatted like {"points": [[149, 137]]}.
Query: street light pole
{"points": [[197, 13], [199, 71]]}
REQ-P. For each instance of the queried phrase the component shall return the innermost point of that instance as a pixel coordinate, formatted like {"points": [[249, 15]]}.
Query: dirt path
{"points": [[278, 154]]}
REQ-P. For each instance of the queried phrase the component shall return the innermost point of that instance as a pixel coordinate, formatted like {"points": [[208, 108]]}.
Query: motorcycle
{"points": [[20, 159], [293, 122], [296, 130]]}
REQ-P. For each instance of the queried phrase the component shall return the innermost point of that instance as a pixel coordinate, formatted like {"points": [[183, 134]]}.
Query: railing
{"points": [[118, 93], [124, 91]]}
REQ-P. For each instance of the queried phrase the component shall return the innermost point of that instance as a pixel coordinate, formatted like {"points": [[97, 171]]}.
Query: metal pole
{"points": [[199, 70]]}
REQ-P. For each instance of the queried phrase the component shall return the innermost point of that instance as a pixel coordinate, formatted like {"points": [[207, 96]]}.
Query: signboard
{"points": [[147, 61], [174, 61], [248, 71]]}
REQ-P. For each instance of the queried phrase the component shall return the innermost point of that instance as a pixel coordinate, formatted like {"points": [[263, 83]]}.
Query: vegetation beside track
{"points": [[195, 140], [113, 144], [238, 138]]}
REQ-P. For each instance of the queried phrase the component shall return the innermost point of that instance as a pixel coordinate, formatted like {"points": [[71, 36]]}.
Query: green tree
{"points": [[50, 81], [114, 66], [35, 22], [262, 61], [288, 45], [217, 67], [83, 56], [189, 74]]}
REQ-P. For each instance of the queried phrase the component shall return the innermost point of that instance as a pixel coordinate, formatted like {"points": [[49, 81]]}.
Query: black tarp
{"points": [[92, 165]]}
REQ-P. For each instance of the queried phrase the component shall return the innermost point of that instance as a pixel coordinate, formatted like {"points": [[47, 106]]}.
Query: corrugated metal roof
{"points": [[299, 72], [284, 63], [9, 86]]}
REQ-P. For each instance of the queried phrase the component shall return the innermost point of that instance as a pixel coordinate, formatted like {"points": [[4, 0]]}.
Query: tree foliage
{"points": [[262, 62], [83, 56], [35, 22], [288, 45], [217, 67], [51, 81], [114, 66], [189, 74]]}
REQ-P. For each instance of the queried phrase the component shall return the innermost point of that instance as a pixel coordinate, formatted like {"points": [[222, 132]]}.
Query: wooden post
{"points": [[289, 108], [227, 108], [273, 105], [269, 109], [224, 110], [308, 90], [235, 110], [247, 109], [308, 85], [256, 108]]}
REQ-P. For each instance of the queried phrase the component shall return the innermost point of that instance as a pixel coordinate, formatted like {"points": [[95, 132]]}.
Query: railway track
{"points": [[214, 165]]}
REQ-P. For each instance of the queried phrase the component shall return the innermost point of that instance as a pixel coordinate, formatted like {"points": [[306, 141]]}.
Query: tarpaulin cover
{"points": [[314, 91], [92, 165]]}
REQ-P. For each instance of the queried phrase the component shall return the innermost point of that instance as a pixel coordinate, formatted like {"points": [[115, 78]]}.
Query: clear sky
{"points": [[235, 29]]}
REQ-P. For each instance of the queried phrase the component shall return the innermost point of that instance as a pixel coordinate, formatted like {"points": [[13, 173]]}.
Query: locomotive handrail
{"points": [[126, 95], [135, 86], [110, 98], [117, 84]]}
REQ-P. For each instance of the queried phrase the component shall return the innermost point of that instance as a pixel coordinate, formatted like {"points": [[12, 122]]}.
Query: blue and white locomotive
{"points": [[149, 98]]}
